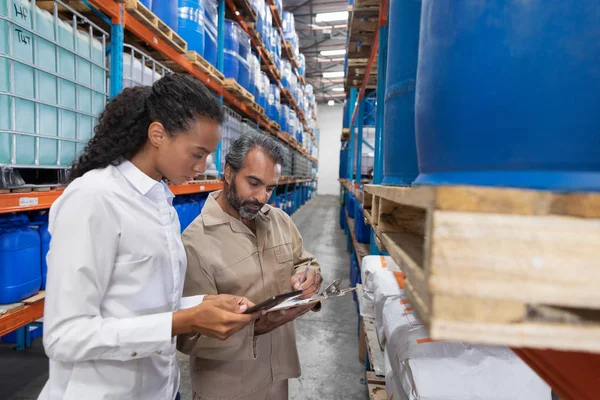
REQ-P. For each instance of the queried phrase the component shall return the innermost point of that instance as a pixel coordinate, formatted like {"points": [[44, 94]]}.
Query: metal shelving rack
{"points": [[113, 13], [572, 375]]}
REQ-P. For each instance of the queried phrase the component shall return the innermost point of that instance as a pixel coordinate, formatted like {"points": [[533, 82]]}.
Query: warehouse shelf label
{"points": [[28, 201]]}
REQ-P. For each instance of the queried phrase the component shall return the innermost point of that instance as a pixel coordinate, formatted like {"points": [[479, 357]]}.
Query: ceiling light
{"points": [[331, 103], [332, 16], [337, 89], [338, 52], [336, 74]]}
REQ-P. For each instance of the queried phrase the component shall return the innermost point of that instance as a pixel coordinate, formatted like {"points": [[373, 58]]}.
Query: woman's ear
{"points": [[156, 134]]}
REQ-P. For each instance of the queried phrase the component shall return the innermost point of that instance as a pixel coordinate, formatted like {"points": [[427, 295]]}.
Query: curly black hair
{"points": [[176, 100]]}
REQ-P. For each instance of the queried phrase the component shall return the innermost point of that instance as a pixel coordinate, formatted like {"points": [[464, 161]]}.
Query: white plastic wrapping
{"points": [[426, 370], [370, 266]]}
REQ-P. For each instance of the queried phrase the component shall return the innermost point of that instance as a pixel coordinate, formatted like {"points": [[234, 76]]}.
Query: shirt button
{"points": [[133, 354], [159, 352]]}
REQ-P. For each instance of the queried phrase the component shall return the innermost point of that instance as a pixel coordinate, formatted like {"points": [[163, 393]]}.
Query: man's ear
{"points": [[228, 174]]}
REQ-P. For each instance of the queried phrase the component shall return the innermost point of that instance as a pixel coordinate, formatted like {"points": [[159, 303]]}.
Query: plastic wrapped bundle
{"points": [[425, 369], [289, 26]]}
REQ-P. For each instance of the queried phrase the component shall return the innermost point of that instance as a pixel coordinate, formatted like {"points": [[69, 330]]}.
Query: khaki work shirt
{"points": [[224, 256]]}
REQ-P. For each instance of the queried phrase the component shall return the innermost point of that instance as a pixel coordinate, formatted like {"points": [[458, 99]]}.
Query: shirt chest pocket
{"points": [[284, 253], [284, 257]]}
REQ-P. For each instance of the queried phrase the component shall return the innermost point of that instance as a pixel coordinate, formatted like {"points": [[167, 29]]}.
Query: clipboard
{"points": [[331, 291]]}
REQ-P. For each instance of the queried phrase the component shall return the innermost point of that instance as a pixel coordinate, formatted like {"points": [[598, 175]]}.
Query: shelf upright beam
{"points": [[220, 67], [381, 84], [380, 110], [383, 18], [117, 39], [359, 141], [351, 104]]}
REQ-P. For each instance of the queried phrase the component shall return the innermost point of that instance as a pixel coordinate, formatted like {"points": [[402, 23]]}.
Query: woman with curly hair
{"points": [[116, 263]]}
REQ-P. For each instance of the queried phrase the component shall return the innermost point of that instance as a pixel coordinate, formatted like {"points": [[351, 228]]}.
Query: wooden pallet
{"points": [[289, 54], [501, 266], [200, 63], [364, 8], [254, 34], [232, 86], [276, 16], [204, 66], [257, 109], [275, 125], [152, 22]]}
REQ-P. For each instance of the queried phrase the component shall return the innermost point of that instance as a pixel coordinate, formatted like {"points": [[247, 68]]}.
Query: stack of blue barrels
{"points": [[232, 49], [283, 118], [254, 82], [190, 24], [243, 56], [474, 125], [211, 21], [266, 85], [274, 103]]}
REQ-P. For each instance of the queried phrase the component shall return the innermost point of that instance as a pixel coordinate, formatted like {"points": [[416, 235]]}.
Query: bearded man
{"points": [[242, 246]]}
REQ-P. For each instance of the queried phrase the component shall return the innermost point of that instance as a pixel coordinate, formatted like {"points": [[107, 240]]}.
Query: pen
{"points": [[305, 272]]}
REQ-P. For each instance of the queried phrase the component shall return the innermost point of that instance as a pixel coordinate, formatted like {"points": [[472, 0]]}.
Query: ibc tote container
{"points": [[54, 82]]}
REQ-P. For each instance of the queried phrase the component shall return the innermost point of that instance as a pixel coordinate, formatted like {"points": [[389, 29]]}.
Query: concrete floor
{"points": [[327, 341]]}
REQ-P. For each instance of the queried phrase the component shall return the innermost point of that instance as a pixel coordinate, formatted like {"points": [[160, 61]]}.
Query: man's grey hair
{"points": [[251, 140]]}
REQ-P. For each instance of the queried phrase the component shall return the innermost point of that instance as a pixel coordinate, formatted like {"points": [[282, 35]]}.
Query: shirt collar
{"points": [[139, 180], [212, 214]]}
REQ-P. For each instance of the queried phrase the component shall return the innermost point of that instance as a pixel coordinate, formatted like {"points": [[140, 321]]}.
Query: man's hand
{"points": [[218, 316], [275, 319], [310, 286]]}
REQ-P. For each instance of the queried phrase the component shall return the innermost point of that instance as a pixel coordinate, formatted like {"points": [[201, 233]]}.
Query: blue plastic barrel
{"points": [[232, 38], [230, 64], [41, 221], [243, 73], [210, 43], [400, 156], [363, 234], [244, 43], [283, 118], [211, 12], [147, 3], [508, 94], [265, 84], [232, 47], [166, 10], [253, 87], [342, 217], [20, 259], [45, 247], [190, 24], [272, 112]]}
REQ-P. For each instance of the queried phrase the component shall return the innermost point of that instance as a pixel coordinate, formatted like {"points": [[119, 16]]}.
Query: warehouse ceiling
{"points": [[316, 37]]}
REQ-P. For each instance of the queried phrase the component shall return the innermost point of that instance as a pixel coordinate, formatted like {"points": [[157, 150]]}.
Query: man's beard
{"points": [[240, 205]]}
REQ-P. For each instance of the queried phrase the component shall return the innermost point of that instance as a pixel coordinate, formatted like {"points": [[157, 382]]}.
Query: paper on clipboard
{"points": [[330, 292]]}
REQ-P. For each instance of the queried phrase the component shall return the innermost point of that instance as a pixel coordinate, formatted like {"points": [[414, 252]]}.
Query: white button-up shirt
{"points": [[115, 276]]}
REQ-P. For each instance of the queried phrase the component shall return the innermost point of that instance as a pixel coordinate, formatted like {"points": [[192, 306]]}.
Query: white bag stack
{"points": [[427, 370], [370, 266], [385, 286]]}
